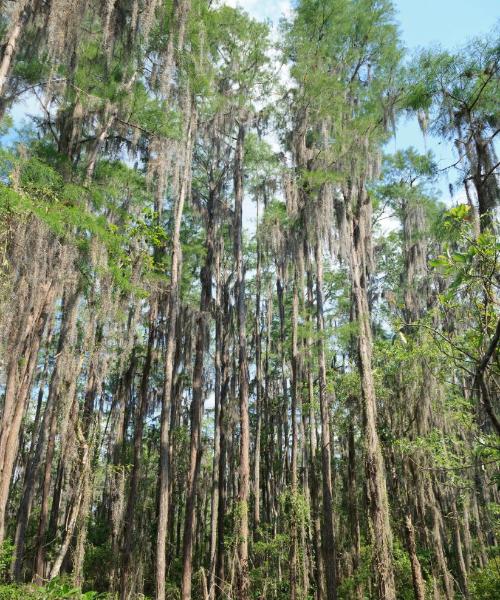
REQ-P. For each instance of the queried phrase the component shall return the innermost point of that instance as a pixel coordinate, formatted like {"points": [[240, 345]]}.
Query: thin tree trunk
{"points": [[197, 401], [215, 491], [353, 508], [171, 315], [11, 42], [60, 385], [19, 375], [294, 592], [319, 574], [375, 471], [220, 562], [416, 570], [244, 464], [120, 412], [462, 569], [328, 539], [109, 115], [258, 382], [38, 440], [129, 520], [75, 509]]}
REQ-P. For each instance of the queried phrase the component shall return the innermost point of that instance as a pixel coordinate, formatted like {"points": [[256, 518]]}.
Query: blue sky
{"points": [[450, 24], [423, 23]]}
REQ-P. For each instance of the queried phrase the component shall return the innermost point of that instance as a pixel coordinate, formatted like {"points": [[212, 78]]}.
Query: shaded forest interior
{"points": [[200, 405]]}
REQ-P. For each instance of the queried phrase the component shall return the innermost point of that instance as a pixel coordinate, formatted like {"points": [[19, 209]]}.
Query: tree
{"points": [[197, 404]]}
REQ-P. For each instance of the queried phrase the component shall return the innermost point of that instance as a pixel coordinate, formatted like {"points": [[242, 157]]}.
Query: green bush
{"points": [[6, 554], [59, 588], [485, 584], [15, 592]]}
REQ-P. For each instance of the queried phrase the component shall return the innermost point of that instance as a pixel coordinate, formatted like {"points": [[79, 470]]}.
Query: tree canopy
{"points": [[200, 404]]}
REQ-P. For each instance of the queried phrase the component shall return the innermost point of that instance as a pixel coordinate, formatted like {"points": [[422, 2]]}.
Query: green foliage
{"points": [[275, 214], [60, 588], [153, 116], [344, 57], [31, 69], [6, 123], [6, 555], [68, 210], [98, 560], [474, 262], [402, 573], [470, 264], [485, 583], [360, 578], [313, 180], [238, 46], [262, 165], [407, 167], [268, 550], [17, 592], [296, 508], [358, 42], [443, 82]]}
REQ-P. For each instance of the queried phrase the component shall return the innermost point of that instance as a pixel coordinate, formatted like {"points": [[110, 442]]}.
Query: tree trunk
{"points": [[258, 383], [220, 561], [11, 42], [319, 573], [377, 489], [328, 539], [20, 370], [129, 520], [38, 443], [60, 389], [171, 317], [197, 401], [416, 571], [294, 592], [353, 508], [243, 581]]}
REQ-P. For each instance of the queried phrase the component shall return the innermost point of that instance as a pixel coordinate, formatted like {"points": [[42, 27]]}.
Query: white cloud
{"points": [[272, 9]]}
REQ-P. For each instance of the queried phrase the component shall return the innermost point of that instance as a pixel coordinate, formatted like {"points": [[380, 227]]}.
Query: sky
{"points": [[422, 23], [450, 24]]}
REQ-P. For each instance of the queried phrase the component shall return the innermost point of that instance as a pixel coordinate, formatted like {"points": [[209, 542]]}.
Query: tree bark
{"points": [[416, 570], [197, 401], [11, 43], [294, 591], [243, 581], [328, 536], [129, 520], [20, 369], [171, 315], [375, 472], [60, 389]]}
